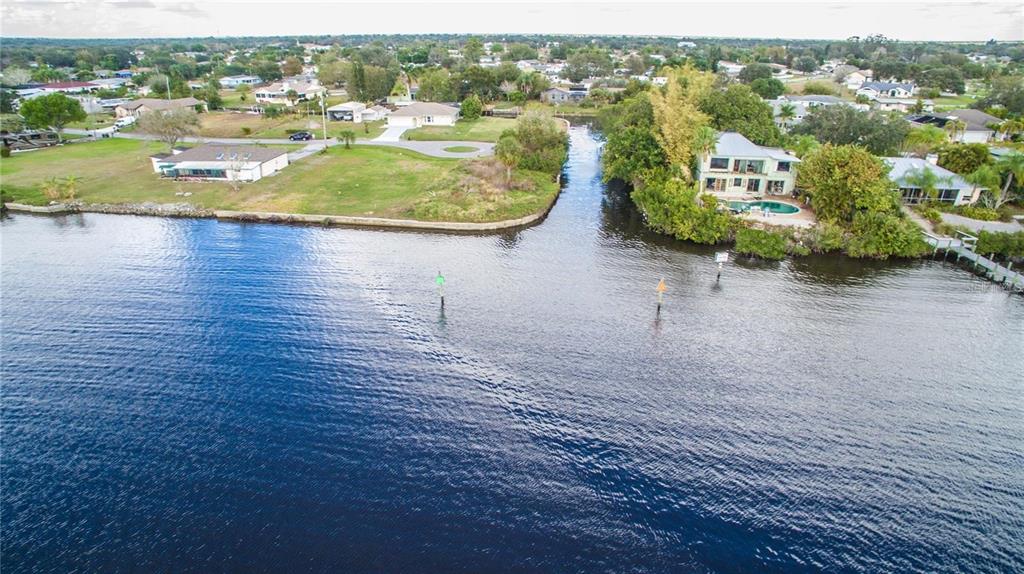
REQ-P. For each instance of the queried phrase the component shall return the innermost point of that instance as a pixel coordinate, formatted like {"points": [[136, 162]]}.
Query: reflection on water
{"points": [[193, 395]]}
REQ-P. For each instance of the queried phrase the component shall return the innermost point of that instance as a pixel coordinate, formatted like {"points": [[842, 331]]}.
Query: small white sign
{"points": [[722, 257]]}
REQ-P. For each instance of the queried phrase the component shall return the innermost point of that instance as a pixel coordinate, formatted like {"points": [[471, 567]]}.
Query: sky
{"points": [[825, 19]]}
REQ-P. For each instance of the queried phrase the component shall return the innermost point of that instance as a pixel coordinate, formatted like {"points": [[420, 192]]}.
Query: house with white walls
{"points": [[738, 166]]}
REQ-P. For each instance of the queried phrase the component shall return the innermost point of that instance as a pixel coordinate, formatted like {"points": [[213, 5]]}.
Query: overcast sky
{"points": [[906, 20]]}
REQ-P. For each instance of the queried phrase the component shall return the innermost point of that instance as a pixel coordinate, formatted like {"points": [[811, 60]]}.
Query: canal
{"points": [[194, 396]]}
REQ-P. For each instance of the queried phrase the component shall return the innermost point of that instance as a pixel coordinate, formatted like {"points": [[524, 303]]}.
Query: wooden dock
{"points": [[963, 247]]}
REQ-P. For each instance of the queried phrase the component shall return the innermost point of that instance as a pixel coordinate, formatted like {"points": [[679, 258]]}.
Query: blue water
{"points": [[196, 396]]}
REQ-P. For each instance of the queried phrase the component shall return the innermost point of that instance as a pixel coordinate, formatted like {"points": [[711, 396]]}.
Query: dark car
{"points": [[301, 136]]}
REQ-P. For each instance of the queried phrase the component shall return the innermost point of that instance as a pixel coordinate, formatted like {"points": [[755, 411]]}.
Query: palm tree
{"points": [[925, 180], [787, 111], [1012, 166], [510, 152], [292, 96], [985, 177], [924, 139], [704, 142], [347, 136], [70, 187], [955, 127]]}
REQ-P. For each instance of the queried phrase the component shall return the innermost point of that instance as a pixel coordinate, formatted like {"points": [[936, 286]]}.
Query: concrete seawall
{"points": [[187, 210]]}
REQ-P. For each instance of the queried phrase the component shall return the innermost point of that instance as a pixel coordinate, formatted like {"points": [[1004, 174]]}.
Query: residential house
{"points": [[976, 124], [277, 93], [903, 105], [556, 96], [856, 79], [951, 187], [875, 90], [347, 112], [730, 68], [126, 74], [375, 113], [136, 108], [108, 83], [424, 114], [802, 105], [221, 163], [69, 87], [738, 166], [232, 82]]}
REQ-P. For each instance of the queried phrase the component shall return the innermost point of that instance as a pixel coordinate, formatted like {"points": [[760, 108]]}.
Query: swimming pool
{"points": [[772, 206]]}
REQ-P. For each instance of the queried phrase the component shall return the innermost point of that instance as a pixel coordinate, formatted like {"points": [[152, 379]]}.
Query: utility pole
{"points": [[323, 115]]}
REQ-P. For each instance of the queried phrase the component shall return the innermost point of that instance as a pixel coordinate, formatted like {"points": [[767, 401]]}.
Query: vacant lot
{"points": [[484, 129], [364, 180], [238, 125]]}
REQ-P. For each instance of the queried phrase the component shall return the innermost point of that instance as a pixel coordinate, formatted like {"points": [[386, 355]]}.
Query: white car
{"points": [[124, 122]]}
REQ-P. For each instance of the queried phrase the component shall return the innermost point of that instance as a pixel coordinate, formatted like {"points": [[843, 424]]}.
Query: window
{"points": [[753, 185], [783, 166], [948, 194], [714, 184], [748, 166], [737, 182], [428, 119], [719, 163], [776, 186]]}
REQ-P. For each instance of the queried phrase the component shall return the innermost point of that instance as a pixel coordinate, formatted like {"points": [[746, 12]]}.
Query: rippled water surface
{"points": [[190, 395]]}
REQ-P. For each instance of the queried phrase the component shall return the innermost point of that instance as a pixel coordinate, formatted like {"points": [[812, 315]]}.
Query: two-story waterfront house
{"points": [[738, 166]]}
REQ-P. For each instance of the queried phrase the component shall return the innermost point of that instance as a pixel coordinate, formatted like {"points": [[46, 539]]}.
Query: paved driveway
{"points": [[436, 149], [392, 134]]}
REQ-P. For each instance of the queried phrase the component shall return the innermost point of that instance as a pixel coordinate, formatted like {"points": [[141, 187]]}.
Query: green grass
{"points": [[364, 180], [953, 102], [460, 148], [485, 129], [233, 125]]}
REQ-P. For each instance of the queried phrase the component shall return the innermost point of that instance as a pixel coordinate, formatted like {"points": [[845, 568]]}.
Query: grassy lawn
{"points": [[953, 102], [485, 129], [570, 109], [367, 181], [233, 125], [460, 148]]}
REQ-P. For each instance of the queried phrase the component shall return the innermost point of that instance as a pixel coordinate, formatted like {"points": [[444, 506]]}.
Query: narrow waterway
{"points": [[195, 396]]}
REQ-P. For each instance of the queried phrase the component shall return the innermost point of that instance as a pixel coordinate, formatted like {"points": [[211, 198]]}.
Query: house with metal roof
{"points": [[976, 124], [423, 114], [221, 163], [738, 166], [951, 187], [802, 105]]}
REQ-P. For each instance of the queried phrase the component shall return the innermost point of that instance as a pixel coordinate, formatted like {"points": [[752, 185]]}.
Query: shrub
{"points": [[760, 243], [471, 108], [819, 89], [5, 151], [824, 237], [1004, 244], [246, 131], [884, 235], [272, 112], [931, 214], [979, 213]]}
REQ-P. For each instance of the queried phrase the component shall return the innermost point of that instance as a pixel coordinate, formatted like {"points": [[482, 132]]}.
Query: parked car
{"points": [[125, 121], [301, 136]]}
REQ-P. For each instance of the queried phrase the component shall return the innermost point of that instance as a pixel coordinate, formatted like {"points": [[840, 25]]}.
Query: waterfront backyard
{"points": [[364, 181]]}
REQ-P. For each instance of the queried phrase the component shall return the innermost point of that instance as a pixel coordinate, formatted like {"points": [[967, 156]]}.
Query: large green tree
{"points": [[841, 181], [739, 109], [963, 158], [52, 111], [880, 132]]}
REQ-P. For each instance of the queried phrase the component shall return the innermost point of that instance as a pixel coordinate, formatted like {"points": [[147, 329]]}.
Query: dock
{"points": [[963, 246]]}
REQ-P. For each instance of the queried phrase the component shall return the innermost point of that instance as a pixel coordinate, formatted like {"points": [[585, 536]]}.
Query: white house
{"points": [[375, 113], [347, 112], [424, 114], [69, 87], [855, 79], [232, 82], [739, 166], [135, 108], [875, 90], [902, 105], [802, 105], [277, 93], [221, 162], [730, 68], [975, 124], [951, 187]]}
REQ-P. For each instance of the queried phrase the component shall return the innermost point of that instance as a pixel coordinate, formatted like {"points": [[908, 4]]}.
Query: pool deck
{"points": [[803, 218]]}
